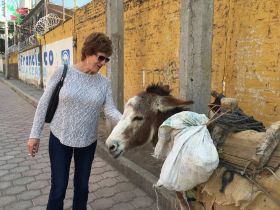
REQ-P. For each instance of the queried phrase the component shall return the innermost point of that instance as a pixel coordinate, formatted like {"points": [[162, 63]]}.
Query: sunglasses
{"points": [[103, 58]]}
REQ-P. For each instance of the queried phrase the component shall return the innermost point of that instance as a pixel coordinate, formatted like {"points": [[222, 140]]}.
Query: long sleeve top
{"points": [[81, 100]]}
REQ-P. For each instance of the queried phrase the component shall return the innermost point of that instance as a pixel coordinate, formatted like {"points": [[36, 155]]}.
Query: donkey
{"points": [[142, 117]]}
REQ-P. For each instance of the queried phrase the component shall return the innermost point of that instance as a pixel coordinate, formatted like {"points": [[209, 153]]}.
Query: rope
{"points": [[188, 204], [176, 202], [212, 108], [275, 175], [238, 121], [245, 168], [156, 197], [213, 119], [261, 188]]}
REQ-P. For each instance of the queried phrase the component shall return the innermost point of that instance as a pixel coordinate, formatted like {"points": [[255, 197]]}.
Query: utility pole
{"points": [[195, 52], [115, 30], [6, 41], [46, 7], [15, 33], [63, 11]]}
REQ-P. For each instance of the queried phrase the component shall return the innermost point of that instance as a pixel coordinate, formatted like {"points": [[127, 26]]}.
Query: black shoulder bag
{"points": [[55, 96]]}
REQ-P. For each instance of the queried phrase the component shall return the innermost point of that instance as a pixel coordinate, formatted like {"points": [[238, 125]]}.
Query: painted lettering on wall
{"points": [[48, 58], [29, 66], [55, 55]]}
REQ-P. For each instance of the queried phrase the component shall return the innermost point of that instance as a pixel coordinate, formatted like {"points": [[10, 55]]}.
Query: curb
{"points": [[140, 177], [136, 174]]}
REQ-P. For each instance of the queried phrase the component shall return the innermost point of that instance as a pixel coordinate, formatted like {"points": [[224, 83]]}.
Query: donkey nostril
{"points": [[113, 147]]}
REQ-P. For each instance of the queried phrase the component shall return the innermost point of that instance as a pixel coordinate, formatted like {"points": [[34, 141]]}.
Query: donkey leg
{"points": [[183, 203], [192, 205]]}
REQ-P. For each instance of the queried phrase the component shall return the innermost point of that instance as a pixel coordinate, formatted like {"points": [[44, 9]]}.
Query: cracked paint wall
{"points": [[88, 19], [246, 55], [151, 40]]}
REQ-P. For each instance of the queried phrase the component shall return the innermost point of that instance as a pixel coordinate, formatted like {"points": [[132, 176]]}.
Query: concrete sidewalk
{"points": [[25, 181]]}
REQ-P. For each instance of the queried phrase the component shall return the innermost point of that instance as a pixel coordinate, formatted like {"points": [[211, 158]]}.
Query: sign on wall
{"points": [[56, 54], [29, 66]]}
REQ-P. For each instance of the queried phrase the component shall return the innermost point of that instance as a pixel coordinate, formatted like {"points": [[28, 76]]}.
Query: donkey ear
{"points": [[167, 103]]}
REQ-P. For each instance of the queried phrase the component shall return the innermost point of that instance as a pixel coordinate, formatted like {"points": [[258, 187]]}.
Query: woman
{"points": [[74, 125]]}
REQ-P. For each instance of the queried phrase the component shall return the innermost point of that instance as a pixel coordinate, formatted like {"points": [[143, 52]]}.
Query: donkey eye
{"points": [[137, 118]]}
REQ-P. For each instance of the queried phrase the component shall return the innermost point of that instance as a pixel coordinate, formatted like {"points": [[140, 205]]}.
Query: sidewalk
{"points": [[25, 181]]}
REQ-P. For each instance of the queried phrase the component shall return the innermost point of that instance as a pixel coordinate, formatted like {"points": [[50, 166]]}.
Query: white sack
{"points": [[192, 155]]}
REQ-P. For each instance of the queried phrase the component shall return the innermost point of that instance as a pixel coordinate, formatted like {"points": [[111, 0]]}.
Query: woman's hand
{"points": [[33, 146]]}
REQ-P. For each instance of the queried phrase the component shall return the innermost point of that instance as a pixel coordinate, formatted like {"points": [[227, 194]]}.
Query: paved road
{"points": [[25, 181]]}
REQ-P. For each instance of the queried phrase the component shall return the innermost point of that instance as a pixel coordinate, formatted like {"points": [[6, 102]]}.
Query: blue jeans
{"points": [[60, 158]]}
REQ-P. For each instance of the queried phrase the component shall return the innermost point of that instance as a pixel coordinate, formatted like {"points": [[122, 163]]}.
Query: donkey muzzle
{"points": [[114, 148]]}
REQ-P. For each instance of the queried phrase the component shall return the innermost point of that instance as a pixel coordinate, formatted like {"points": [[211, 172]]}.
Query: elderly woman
{"points": [[74, 125]]}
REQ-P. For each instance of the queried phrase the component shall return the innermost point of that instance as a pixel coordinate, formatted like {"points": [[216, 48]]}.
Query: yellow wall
{"points": [[151, 40], [88, 19], [13, 64], [245, 51], [13, 58], [60, 32], [151, 45], [246, 55]]}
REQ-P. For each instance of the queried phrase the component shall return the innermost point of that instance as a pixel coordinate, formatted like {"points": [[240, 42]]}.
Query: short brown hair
{"points": [[97, 42]]}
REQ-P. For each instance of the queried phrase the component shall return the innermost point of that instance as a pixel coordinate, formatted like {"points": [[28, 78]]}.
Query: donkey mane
{"points": [[162, 90]]}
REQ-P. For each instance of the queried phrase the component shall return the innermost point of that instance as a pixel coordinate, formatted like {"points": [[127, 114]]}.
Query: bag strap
{"points": [[64, 73]]}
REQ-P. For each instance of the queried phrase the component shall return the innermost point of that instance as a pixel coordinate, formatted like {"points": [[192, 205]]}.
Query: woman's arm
{"points": [[110, 109], [40, 114]]}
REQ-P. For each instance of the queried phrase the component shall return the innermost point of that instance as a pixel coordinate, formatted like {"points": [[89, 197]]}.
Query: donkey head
{"points": [[143, 114]]}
